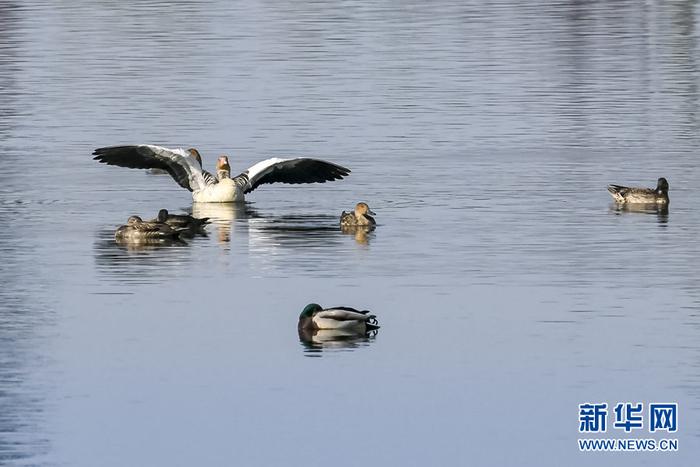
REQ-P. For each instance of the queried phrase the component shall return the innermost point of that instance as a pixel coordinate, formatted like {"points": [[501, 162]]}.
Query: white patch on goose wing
{"points": [[247, 180], [299, 170]]}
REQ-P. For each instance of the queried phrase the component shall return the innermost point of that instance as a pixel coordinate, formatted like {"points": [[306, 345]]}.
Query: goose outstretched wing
{"points": [[299, 170], [184, 168]]}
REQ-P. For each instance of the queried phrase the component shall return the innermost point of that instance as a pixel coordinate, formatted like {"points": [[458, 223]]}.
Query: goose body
{"points": [[138, 230], [362, 215], [185, 167], [224, 191], [339, 318], [632, 195]]}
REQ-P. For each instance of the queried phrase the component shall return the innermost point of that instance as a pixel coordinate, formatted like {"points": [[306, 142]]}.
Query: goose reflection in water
{"points": [[223, 216], [316, 341], [659, 210]]}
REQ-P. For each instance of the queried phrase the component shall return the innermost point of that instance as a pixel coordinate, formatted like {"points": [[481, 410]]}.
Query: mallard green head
{"points": [[162, 215], [309, 310], [662, 185]]}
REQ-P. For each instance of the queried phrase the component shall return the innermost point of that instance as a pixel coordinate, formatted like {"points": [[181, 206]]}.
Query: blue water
{"points": [[508, 287]]}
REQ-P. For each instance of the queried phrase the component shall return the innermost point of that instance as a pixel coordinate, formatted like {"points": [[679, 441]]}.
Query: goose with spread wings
{"points": [[185, 166]]}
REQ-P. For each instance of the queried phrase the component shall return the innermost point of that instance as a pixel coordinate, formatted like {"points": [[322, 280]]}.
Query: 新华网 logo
{"points": [[628, 418]]}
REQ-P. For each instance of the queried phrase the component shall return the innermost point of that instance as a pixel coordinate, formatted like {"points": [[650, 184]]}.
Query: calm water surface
{"points": [[508, 288]]}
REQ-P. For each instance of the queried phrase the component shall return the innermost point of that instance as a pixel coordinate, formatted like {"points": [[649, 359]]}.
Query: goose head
{"points": [[223, 170]]}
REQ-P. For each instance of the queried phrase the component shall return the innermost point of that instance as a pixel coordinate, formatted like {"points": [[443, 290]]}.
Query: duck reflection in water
{"points": [[335, 328], [141, 261], [659, 210], [315, 341], [146, 245], [361, 233]]}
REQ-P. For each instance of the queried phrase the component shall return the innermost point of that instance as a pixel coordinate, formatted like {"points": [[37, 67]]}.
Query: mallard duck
{"points": [[623, 194], [137, 230], [185, 166], [182, 221], [360, 216], [339, 318]]}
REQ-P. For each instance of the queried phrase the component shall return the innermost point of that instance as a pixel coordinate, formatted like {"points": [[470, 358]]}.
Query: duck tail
{"points": [[372, 324], [200, 224], [616, 192]]}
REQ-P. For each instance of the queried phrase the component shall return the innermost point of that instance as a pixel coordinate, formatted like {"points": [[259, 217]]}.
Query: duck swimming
{"points": [[182, 221], [313, 317], [623, 194], [360, 216], [138, 230], [185, 167]]}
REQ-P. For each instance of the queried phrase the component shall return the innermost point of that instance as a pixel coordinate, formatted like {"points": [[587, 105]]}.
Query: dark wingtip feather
{"points": [[108, 149], [98, 153]]}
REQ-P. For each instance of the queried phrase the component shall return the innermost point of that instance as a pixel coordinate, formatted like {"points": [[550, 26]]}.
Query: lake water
{"points": [[508, 288]]}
